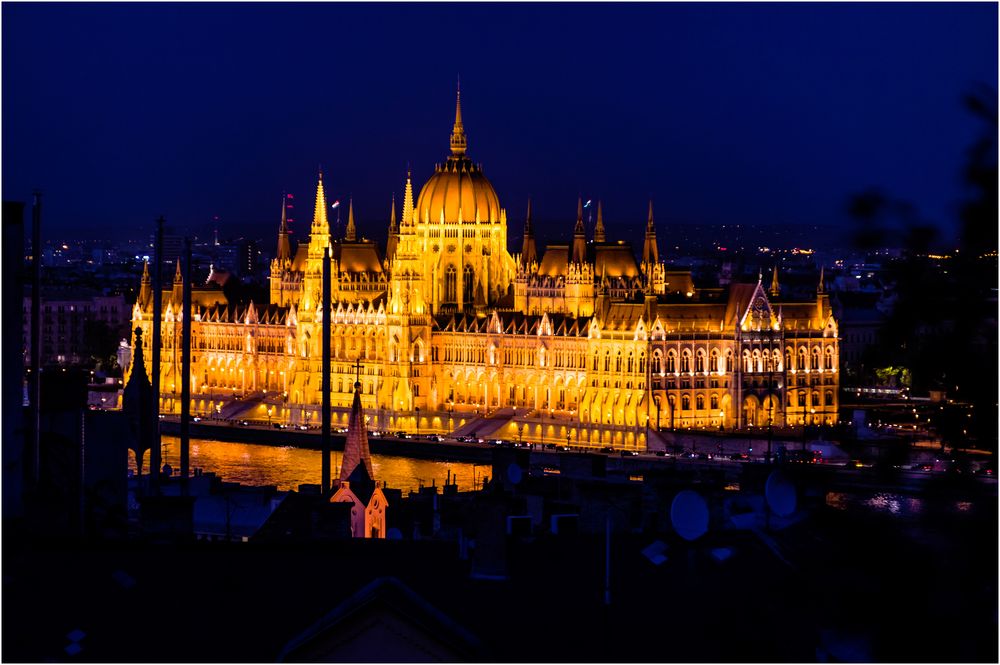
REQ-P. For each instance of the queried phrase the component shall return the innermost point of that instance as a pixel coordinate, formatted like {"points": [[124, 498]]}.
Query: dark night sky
{"points": [[749, 113]]}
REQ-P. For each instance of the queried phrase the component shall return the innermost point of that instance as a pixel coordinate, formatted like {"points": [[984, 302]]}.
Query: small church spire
{"points": [[357, 456], [819, 287], [775, 289], [599, 233], [351, 234]]}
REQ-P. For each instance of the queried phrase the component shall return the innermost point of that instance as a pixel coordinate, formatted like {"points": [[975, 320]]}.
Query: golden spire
{"points": [[458, 140], [408, 202], [599, 234], [650, 227], [351, 235], [393, 239], [775, 289], [819, 288], [320, 225], [178, 276]]}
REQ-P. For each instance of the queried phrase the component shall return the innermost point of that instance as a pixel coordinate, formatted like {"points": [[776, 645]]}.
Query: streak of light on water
{"points": [[287, 467]]}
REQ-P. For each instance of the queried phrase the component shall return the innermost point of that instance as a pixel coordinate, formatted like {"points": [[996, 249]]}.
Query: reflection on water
{"points": [[880, 502], [287, 467]]}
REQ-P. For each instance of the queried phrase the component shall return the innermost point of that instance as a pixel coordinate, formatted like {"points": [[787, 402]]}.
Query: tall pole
{"points": [[154, 451], [325, 481], [36, 338], [186, 366]]}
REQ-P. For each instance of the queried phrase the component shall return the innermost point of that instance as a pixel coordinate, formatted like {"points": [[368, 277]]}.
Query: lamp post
{"points": [[656, 398], [417, 420], [769, 434]]}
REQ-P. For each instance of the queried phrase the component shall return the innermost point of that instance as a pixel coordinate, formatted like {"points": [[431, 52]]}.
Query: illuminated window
{"points": [[715, 402]]}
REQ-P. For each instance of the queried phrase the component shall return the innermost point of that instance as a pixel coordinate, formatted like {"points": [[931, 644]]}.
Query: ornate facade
{"points": [[581, 343]]}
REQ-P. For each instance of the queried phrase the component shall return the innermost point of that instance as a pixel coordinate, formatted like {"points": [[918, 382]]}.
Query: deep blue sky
{"points": [[748, 113]]}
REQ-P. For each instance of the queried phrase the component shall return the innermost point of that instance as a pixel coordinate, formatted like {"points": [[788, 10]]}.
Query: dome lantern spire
{"points": [[458, 140]]}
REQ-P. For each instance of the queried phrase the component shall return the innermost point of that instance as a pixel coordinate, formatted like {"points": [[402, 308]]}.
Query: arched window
{"points": [[642, 363], [729, 361], [829, 357], [671, 362], [596, 360], [607, 361], [467, 285], [747, 366], [776, 357], [828, 398], [815, 357], [802, 357], [685, 403], [699, 362], [815, 398], [715, 402], [713, 361], [700, 402], [757, 364], [450, 285], [618, 362], [788, 358], [630, 364], [657, 363], [686, 361]]}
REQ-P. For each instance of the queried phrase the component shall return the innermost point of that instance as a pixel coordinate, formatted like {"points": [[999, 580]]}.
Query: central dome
{"points": [[456, 185]]}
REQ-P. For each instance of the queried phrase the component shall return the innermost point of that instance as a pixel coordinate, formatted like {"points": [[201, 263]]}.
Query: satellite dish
{"points": [[780, 494], [394, 534], [514, 474], [689, 515]]}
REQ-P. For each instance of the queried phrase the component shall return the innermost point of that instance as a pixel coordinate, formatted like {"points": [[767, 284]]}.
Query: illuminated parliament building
{"points": [[585, 343]]}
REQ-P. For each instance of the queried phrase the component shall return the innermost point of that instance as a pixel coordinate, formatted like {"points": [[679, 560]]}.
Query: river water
{"points": [[287, 467]]}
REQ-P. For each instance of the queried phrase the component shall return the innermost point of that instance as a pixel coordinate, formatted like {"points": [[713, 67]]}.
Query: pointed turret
{"points": [[408, 219], [137, 401], [393, 240], [351, 235], [529, 252], [775, 289], [357, 457], [284, 248], [320, 226], [178, 292], [819, 287], [599, 233], [579, 236], [650, 252], [458, 140], [145, 299]]}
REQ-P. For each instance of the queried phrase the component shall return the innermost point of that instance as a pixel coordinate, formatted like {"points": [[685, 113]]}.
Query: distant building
{"points": [[581, 343], [65, 315]]}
